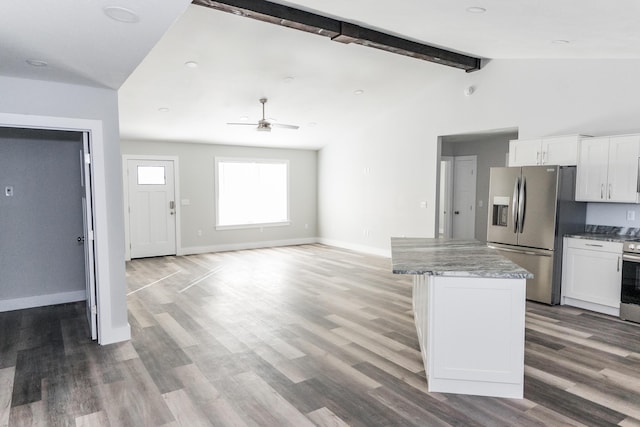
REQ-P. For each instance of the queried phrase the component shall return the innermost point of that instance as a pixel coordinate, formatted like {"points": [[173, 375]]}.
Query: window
{"points": [[252, 192], [151, 175]]}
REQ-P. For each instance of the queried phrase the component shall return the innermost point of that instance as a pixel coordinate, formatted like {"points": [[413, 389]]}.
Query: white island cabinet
{"points": [[469, 310]]}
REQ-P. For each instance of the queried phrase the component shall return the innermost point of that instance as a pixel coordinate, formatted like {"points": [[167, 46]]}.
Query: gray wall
{"points": [[40, 223], [490, 152], [196, 180]]}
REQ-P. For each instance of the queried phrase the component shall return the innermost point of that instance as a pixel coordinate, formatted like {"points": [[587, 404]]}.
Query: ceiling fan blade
{"points": [[243, 124], [280, 125]]}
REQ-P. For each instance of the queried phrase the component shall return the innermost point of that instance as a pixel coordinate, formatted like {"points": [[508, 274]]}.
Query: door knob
{"points": [[80, 239], [457, 212]]}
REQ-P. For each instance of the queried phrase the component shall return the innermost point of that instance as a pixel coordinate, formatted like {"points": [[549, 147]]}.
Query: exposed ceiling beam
{"points": [[341, 31]]}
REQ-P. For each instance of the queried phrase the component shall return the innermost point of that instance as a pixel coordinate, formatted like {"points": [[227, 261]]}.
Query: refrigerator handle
{"points": [[514, 205], [522, 200]]}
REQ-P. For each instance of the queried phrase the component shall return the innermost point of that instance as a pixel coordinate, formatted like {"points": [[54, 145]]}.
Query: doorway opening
{"points": [[491, 149], [46, 229], [105, 303]]}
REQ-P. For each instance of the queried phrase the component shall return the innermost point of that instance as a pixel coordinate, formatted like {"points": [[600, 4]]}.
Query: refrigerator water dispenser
{"points": [[500, 213]]}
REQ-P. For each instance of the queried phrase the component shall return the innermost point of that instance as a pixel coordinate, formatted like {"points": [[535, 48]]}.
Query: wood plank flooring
{"points": [[297, 336]]}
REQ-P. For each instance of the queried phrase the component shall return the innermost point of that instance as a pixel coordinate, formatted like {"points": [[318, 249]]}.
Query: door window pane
{"points": [[151, 175]]}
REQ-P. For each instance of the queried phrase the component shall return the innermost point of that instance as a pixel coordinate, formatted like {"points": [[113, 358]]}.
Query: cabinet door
{"points": [[592, 276], [624, 153], [525, 152], [591, 176], [562, 150]]}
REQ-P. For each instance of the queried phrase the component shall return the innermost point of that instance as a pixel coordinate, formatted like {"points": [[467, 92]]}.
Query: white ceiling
{"points": [[309, 80]]}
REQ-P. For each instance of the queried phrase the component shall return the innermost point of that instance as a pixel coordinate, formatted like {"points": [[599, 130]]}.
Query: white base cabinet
{"points": [[592, 274], [471, 334]]}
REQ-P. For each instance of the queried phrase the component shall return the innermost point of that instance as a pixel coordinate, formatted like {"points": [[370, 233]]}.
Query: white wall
{"points": [[34, 97], [539, 97], [196, 183]]}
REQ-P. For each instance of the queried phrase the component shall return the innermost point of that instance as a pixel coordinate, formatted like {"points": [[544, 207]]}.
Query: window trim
{"points": [[217, 161]]}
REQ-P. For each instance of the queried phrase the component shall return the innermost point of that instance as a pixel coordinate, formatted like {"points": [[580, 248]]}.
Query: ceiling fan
{"points": [[263, 124]]}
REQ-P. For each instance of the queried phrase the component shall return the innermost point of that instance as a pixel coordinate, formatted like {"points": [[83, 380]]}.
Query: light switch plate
{"points": [[631, 215]]}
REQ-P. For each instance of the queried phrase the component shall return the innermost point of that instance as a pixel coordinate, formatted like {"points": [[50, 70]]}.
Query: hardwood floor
{"points": [[297, 336]]}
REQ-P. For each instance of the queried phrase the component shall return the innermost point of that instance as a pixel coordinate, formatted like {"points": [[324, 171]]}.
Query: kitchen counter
{"points": [[456, 258], [603, 237], [469, 310], [607, 233]]}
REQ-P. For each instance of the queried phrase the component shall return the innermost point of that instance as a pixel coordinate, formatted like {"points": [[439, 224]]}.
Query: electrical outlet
{"points": [[631, 215]]}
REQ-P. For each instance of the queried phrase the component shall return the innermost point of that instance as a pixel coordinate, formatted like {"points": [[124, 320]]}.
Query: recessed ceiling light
{"points": [[476, 9], [163, 109], [121, 14], [191, 64], [358, 92], [288, 79], [312, 124], [36, 63], [559, 41], [244, 118]]}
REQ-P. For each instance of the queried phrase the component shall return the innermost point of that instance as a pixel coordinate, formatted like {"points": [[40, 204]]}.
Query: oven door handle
{"points": [[632, 258]]}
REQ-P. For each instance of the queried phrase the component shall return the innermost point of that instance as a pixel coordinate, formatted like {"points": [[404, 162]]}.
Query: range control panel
{"points": [[632, 246]]}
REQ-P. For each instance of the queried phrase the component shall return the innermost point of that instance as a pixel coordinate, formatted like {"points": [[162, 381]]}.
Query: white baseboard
{"points": [[114, 335], [193, 250], [42, 300], [358, 248], [587, 305]]}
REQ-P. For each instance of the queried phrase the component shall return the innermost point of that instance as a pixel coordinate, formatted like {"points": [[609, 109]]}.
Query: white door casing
{"points": [[464, 196], [446, 196], [152, 207], [88, 239]]}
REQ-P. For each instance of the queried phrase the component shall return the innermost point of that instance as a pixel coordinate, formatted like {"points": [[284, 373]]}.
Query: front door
{"points": [[152, 208], [464, 197]]}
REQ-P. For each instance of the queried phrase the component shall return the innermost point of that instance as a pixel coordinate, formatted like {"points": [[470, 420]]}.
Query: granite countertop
{"points": [[607, 233], [450, 257], [603, 237]]}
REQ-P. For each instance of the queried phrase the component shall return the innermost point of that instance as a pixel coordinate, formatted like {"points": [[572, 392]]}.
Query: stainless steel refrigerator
{"points": [[530, 209]]}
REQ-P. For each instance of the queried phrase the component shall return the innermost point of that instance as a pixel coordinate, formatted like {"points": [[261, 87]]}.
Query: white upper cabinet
{"points": [[608, 169], [554, 150]]}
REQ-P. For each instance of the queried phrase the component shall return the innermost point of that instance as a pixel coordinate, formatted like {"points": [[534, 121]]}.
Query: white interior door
{"points": [[464, 197], [152, 208], [88, 237]]}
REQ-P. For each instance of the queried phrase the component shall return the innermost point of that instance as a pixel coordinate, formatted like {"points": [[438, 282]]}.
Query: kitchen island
{"points": [[469, 309]]}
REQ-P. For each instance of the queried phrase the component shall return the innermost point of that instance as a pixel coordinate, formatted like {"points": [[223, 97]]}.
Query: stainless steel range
{"points": [[630, 294]]}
